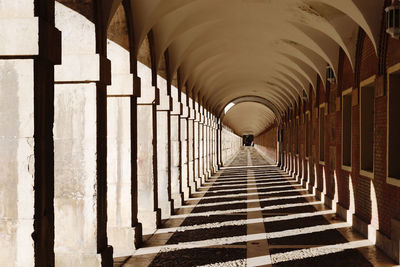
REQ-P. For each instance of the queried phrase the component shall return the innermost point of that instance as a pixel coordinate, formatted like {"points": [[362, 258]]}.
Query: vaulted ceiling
{"points": [[270, 49]]}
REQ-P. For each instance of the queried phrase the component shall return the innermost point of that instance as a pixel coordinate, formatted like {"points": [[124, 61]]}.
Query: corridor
{"points": [[251, 213], [123, 125]]}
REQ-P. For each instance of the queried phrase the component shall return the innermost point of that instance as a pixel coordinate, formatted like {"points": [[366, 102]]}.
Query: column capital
{"points": [[152, 97], [192, 114], [165, 103], [198, 116], [137, 83], [176, 107], [185, 112], [23, 33], [83, 68], [122, 85]]}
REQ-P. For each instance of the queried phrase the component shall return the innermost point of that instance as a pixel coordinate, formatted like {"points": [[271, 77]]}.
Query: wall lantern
{"points": [[330, 75], [393, 19]]}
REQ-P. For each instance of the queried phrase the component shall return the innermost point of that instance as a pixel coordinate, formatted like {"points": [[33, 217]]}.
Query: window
{"points": [[307, 124], [346, 128], [367, 118], [393, 145], [322, 108]]}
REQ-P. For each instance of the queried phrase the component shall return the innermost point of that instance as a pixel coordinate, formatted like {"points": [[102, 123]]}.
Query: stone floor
{"points": [[252, 214]]}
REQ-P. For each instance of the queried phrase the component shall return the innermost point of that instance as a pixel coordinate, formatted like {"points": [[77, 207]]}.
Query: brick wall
{"points": [[331, 178], [267, 143]]}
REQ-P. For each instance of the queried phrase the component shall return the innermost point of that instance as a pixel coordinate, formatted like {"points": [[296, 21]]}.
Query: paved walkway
{"points": [[252, 214]]}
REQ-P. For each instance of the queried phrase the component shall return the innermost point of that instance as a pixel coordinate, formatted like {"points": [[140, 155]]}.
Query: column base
{"points": [[319, 195], [216, 168], [192, 188], [185, 194], [150, 220], [198, 182], [77, 259], [165, 207], [176, 202], [344, 213], [208, 174], [182, 199], [138, 235], [123, 240], [364, 229], [202, 179], [205, 177]]}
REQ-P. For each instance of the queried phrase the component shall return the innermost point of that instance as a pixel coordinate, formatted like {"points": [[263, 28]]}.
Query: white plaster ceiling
{"points": [[248, 118], [273, 49]]}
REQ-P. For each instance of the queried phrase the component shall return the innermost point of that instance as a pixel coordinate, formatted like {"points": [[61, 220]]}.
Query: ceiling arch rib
{"points": [[218, 49], [364, 13], [340, 27], [311, 58], [304, 69], [220, 44], [320, 21], [245, 79], [191, 49], [246, 84], [199, 70], [328, 51], [209, 72], [297, 79], [326, 19], [367, 14]]}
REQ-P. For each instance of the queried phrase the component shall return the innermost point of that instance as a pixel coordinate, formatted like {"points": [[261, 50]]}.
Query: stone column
{"points": [[196, 150], [123, 231], [210, 146], [191, 177], [148, 212], [219, 143], [207, 145], [214, 144], [80, 145], [175, 152], [196, 141], [201, 148], [29, 50], [163, 150], [184, 153]]}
